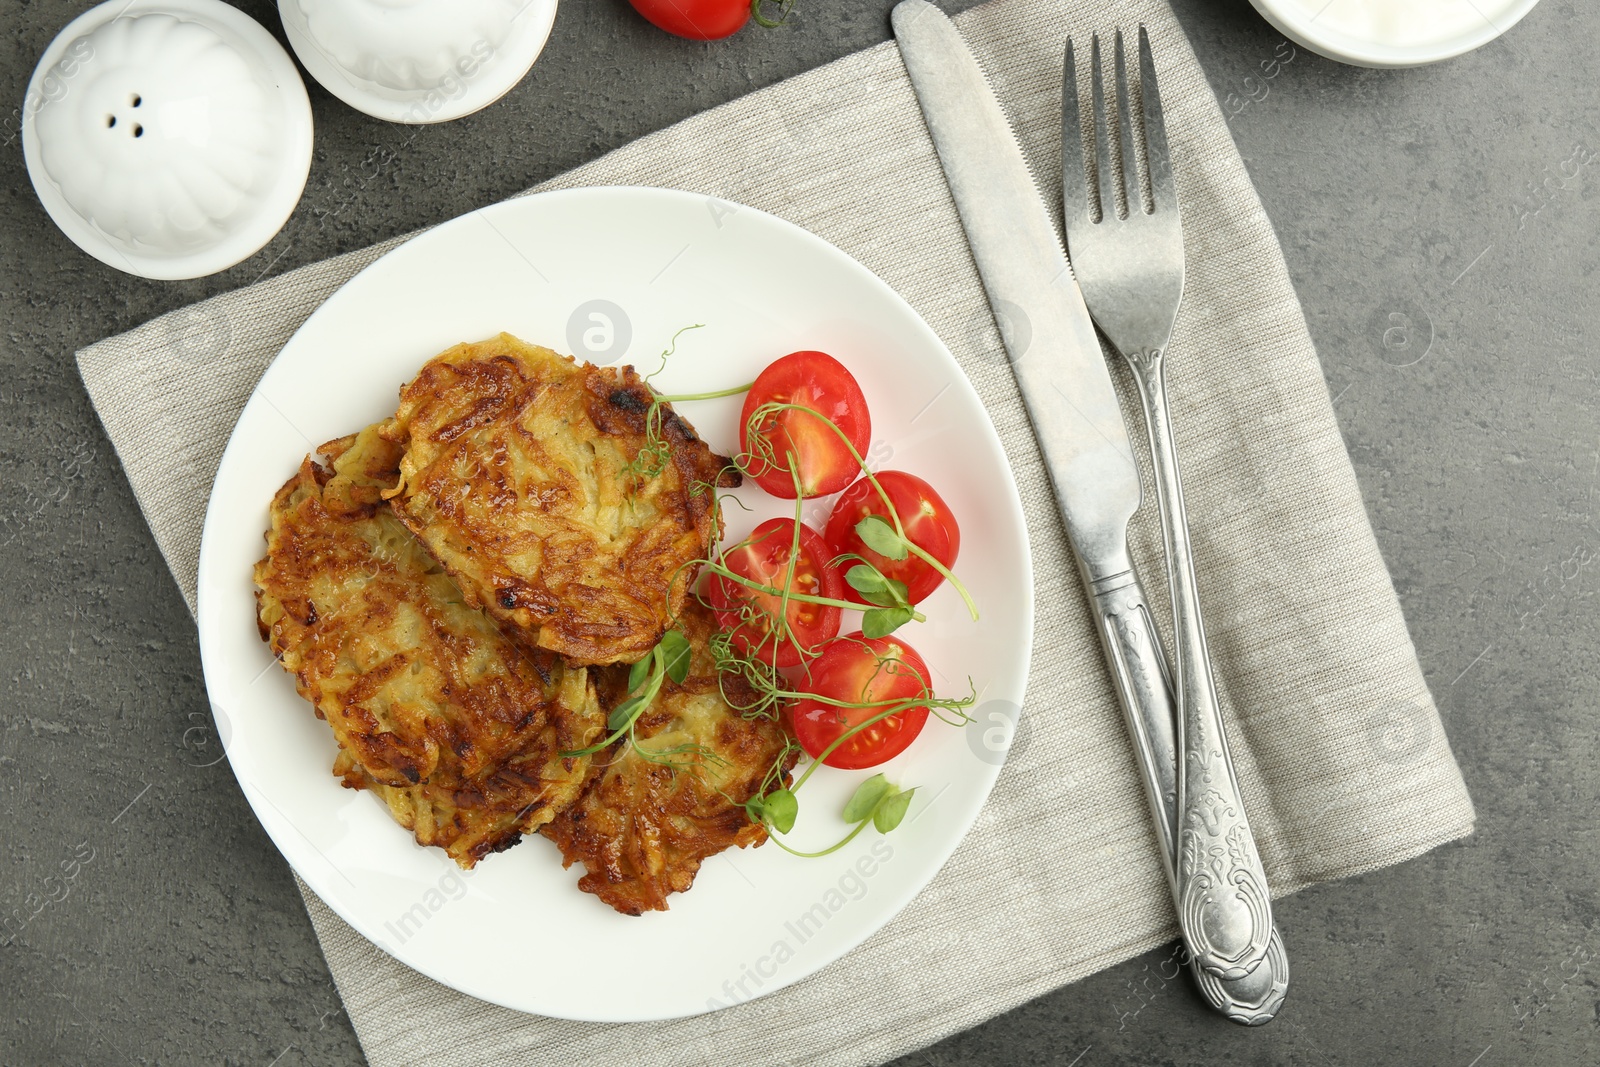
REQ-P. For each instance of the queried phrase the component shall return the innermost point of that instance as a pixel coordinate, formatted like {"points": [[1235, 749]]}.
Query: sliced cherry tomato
{"points": [[818, 381], [698, 20], [862, 670], [750, 615], [927, 521]]}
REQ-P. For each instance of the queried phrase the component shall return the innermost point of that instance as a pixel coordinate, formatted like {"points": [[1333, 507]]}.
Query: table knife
{"points": [[1056, 358]]}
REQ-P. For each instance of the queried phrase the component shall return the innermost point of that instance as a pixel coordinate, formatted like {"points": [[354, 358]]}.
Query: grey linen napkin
{"points": [[1343, 761]]}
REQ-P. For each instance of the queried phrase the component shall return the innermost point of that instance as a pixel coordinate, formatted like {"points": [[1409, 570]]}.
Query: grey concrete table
{"points": [[1443, 242]]}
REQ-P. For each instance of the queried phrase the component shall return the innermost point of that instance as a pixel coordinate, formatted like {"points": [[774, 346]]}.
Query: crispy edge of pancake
{"points": [[595, 595], [642, 829], [471, 782]]}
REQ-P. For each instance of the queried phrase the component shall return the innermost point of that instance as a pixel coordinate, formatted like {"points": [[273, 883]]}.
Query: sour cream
{"points": [[1404, 23]]}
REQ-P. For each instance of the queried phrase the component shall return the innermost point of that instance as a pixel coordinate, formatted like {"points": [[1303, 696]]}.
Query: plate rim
{"points": [[949, 842]]}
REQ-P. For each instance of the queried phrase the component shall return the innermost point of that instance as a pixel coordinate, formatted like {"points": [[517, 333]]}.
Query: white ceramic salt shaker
{"points": [[167, 138], [418, 61]]}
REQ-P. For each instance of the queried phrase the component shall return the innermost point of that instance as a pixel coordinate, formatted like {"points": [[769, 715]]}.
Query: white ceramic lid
{"points": [[167, 138], [418, 61]]}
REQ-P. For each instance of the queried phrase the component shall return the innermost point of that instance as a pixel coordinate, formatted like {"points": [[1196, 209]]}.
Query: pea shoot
{"points": [[656, 452], [669, 659], [876, 802]]}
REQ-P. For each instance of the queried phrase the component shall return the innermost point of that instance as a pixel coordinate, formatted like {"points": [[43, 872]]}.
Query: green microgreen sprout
{"points": [[669, 659], [891, 542], [656, 453], [881, 801], [890, 597], [876, 801], [671, 350], [777, 809], [891, 608], [788, 594]]}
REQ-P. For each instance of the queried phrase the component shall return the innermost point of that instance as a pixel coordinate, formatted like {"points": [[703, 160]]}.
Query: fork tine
{"points": [[1102, 143], [1130, 161], [1158, 158], [1074, 181]]}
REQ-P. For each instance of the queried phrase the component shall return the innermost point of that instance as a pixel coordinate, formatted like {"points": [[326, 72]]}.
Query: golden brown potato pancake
{"points": [[642, 828], [522, 473], [456, 726]]}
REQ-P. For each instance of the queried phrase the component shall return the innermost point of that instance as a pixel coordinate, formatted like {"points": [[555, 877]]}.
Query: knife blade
{"points": [[1048, 334]]}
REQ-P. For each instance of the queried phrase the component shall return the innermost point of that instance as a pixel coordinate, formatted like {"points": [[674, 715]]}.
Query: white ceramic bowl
{"points": [[418, 61], [167, 138], [1392, 33]]}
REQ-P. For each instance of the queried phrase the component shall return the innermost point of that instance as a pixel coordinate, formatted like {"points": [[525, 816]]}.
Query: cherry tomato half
{"points": [[750, 615], [862, 670], [818, 381], [925, 516], [698, 20]]}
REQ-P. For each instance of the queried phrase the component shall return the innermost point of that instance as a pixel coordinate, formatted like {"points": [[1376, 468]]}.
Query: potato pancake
{"points": [[643, 826], [535, 482], [456, 726]]}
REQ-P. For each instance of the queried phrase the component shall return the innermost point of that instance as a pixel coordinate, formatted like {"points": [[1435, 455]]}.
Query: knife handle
{"points": [[1139, 672], [1144, 689]]}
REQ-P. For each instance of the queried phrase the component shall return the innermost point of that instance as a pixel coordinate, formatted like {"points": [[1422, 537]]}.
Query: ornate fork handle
{"points": [[1224, 907], [1144, 689]]}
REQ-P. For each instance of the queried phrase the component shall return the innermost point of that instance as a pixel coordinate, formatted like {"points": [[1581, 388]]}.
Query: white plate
{"points": [[647, 261]]}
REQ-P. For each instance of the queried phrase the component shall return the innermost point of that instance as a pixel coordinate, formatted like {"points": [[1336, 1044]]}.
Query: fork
{"points": [[1130, 268]]}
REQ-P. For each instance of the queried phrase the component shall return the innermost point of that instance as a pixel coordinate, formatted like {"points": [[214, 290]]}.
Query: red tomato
{"points": [[698, 20], [925, 516], [751, 615], [820, 382], [860, 670]]}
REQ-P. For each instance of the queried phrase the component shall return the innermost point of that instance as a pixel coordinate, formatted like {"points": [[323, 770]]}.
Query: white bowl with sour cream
{"points": [[1392, 33]]}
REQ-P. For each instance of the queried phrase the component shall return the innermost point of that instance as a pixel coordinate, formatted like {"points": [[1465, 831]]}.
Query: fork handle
{"points": [[1224, 906], [1144, 689]]}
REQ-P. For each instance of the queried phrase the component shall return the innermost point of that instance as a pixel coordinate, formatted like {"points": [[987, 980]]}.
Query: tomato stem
{"points": [[771, 24]]}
